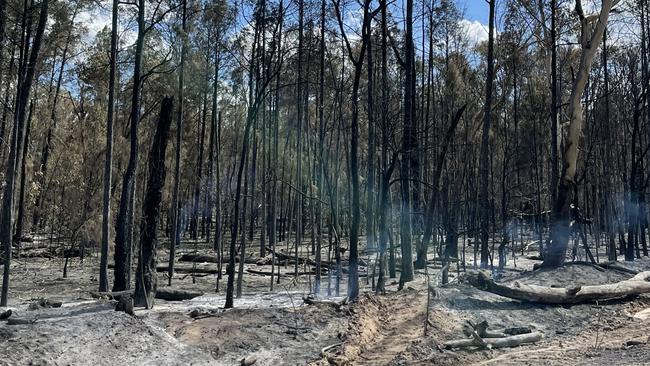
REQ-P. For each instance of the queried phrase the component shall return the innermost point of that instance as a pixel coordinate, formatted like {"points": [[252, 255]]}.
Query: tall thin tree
{"points": [[6, 218], [124, 224], [353, 276], [484, 202], [175, 232], [108, 162]]}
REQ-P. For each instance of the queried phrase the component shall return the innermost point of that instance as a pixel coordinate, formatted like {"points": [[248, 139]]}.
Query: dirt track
{"points": [[587, 334]]}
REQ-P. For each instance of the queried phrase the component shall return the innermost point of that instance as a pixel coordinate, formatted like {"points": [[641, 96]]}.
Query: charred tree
{"points": [[175, 233], [124, 224], [108, 162], [146, 277], [353, 279], [409, 150], [6, 217], [485, 141], [21, 195]]}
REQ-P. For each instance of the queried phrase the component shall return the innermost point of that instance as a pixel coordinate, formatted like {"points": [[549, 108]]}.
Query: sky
{"points": [[475, 19], [475, 10]]}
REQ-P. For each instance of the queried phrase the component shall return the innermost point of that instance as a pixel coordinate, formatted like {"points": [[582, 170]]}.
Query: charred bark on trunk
{"points": [[146, 278]]}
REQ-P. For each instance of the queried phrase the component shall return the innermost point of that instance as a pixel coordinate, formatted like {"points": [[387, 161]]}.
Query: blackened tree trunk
{"points": [[3, 21], [3, 24], [607, 154], [6, 219], [273, 232], [253, 175], [47, 145], [218, 244], [451, 228], [386, 171], [124, 225], [370, 191], [199, 175], [242, 243], [211, 156], [554, 105], [176, 236], [409, 146], [321, 143], [23, 153], [485, 140], [146, 276], [299, 103], [9, 97], [635, 177], [5, 78], [353, 273], [21, 195], [250, 119], [433, 201], [108, 162]]}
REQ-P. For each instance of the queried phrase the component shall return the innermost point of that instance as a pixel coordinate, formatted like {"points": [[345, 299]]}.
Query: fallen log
{"points": [[266, 260], [21, 321], [511, 341], [162, 293], [337, 304], [481, 329], [511, 331], [636, 285], [205, 258], [189, 270], [45, 303], [110, 295], [50, 252], [181, 269], [73, 310], [292, 259], [268, 273], [195, 275], [169, 294], [46, 253]]}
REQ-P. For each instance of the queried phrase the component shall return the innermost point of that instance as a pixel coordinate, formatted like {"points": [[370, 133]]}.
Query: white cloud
{"points": [[476, 31]]}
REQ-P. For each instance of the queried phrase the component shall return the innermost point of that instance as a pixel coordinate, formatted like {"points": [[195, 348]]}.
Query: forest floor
{"points": [[278, 328]]}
